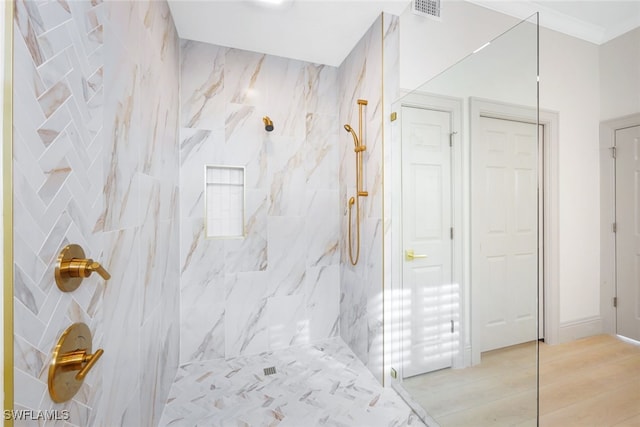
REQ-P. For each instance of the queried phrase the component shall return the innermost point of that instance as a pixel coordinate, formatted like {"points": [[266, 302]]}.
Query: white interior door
{"points": [[627, 145], [426, 231], [505, 232]]}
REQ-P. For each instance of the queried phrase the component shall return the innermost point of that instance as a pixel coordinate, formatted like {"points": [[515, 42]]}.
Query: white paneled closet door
{"points": [[428, 307], [505, 232]]}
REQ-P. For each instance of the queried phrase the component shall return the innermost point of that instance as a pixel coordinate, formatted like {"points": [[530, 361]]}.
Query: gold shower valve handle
{"points": [[75, 359], [90, 360], [72, 267], [71, 362], [97, 268]]}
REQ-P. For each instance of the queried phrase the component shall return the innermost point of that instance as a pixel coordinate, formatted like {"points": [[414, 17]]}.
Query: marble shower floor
{"points": [[322, 384]]}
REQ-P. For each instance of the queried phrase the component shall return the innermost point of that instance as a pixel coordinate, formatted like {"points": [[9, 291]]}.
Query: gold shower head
{"points": [[349, 129], [268, 123]]}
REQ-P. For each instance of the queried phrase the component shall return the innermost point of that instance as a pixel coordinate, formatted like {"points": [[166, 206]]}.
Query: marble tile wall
{"points": [[278, 286], [361, 76], [96, 163]]}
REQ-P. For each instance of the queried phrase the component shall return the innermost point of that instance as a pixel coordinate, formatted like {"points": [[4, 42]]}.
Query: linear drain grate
{"points": [[270, 371]]}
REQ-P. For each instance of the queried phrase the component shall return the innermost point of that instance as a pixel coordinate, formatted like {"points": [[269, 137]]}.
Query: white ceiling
{"points": [[317, 31], [325, 31]]}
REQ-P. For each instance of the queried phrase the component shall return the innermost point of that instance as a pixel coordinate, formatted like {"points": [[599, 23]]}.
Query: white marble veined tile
{"points": [[121, 310], [244, 323], [158, 25], [320, 151], [251, 252], [322, 227], [28, 19], [25, 68], [245, 79], [151, 351], [52, 71], [246, 143], [323, 301], [87, 41], [320, 89], [197, 149], [371, 240], [51, 245], [53, 41], [286, 322], [285, 101], [28, 391], [23, 159], [287, 186], [85, 209], [288, 249], [87, 15], [159, 150], [123, 26], [27, 325], [54, 14], [122, 149], [201, 259], [319, 384], [27, 201], [96, 27], [29, 359], [28, 117], [58, 322], [27, 259], [203, 319], [27, 291], [353, 314], [155, 271], [202, 82]]}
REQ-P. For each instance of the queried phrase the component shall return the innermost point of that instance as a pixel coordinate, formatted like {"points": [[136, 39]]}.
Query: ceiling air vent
{"points": [[430, 8]]}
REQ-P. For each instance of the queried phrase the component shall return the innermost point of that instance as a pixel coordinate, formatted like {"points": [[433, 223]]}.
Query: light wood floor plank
{"points": [[591, 382]]}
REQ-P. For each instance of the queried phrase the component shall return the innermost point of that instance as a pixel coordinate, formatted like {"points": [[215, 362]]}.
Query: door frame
{"points": [[6, 229], [480, 107], [608, 130], [453, 106]]}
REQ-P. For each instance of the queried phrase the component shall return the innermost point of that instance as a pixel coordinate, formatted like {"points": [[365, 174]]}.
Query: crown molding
{"points": [[561, 22]]}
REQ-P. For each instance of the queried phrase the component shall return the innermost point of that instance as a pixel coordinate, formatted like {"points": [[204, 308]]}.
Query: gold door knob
{"points": [[72, 267], [410, 256], [71, 362]]}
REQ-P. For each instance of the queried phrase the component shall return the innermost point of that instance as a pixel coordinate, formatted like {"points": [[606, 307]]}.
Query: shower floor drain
{"points": [[270, 371]]}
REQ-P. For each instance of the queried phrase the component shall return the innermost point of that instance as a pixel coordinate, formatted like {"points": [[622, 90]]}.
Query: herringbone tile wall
{"points": [[96, 163]]}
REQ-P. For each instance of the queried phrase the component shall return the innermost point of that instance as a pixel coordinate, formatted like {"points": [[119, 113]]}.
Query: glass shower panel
{"points": [[467, 250]]}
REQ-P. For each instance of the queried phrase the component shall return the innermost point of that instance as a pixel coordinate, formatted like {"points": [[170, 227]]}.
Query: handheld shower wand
{"points": [[359, 148]]}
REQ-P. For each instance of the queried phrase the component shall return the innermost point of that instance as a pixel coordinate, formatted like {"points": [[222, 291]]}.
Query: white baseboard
{"points": [[570, 331]]}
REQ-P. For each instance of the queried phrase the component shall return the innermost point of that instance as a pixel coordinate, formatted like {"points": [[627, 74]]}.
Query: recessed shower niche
{"points": [[224, 201]]}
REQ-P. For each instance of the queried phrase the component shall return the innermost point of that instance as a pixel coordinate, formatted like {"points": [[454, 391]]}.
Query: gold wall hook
{"points": [[72, 267], [71, 362]]}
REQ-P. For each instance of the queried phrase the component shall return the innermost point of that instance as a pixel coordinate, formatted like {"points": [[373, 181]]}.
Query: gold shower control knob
{"points": [[71, 362], [72, 267]]}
